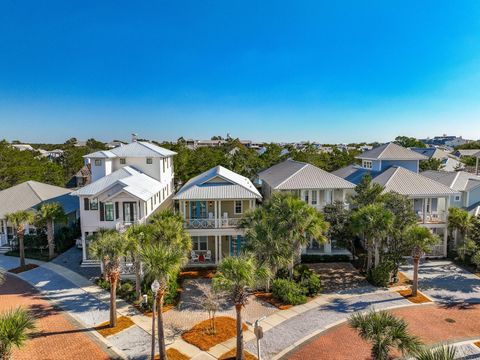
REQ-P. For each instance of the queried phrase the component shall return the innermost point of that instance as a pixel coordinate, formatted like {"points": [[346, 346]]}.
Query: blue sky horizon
{"points": [[335, 72]]}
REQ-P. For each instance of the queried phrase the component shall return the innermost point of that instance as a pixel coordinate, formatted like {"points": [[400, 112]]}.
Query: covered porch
{"points": [[209, 250]]}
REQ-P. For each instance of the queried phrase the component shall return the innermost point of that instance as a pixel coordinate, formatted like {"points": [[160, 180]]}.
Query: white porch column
{"points": [[445, 230], [328, 247], [219, 248], [220, 213], [216, 213], [84, 247], [424, 210]]}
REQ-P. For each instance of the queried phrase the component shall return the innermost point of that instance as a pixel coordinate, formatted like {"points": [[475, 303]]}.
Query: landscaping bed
{"points": [[174, 354], [202, 337], [419, 299], [230, 355], [20, 269], [123, 322], [338, 276]]}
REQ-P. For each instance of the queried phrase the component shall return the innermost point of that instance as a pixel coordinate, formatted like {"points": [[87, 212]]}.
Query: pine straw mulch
{"points": [[477, 343], [197, 274], [19, 269], [174, 354], [200, 336], [231, 355], [269, 298], [402, 280], [419, 299], [123, 322]]}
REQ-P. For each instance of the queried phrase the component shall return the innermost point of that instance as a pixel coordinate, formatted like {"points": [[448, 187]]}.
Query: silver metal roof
{"points": [[127, 179], [227, 185], [456, 180], [30, 194], [391, 151], [409, 183], [134, 149], [293, 175]]}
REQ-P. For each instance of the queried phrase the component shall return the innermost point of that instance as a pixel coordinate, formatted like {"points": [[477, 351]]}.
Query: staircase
{"points": [[4, 249], [90, 263]]}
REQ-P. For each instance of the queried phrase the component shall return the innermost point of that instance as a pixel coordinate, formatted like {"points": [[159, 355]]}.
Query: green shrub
{"points": [[308, 280], [311, 259], [380, 275], [289, 292]]}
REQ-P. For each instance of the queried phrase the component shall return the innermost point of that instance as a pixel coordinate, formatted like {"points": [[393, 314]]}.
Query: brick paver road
{"points": [[57, 336], [432, 323]]}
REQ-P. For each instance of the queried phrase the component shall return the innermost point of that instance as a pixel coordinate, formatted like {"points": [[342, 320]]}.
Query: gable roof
{"points": [[456, 180], [31, 194], [127, 179], [294, 175], [433, 153], [134, 149], [468, 152], [391, 151], [234, 186], [406, 182]]}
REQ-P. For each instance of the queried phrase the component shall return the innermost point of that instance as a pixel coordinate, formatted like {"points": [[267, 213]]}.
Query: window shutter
{"points": [[86, 204], [117, 213], [102, 211]]}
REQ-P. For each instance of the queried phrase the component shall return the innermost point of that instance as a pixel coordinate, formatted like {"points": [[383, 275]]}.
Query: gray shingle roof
{"points": [[134, 149], [468, 152], [127, 179], [230, 185], [456, 180], [409, 183], [291, 175], [391, 151], [30, 194]]}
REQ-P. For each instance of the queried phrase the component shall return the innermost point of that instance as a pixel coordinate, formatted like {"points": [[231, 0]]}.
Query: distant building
{"points": [[446, 140], [449, 161], [23, 147]]}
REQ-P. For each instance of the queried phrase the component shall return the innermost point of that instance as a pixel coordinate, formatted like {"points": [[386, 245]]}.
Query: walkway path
{"points": [[71, 340], [433, 323]]}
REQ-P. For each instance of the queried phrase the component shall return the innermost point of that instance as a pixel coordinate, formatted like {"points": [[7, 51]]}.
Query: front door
{"points": [[235, 245], [129, 212]]}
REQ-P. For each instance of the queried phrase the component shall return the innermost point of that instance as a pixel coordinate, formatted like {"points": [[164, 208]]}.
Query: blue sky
{"points": [[336, 71]]}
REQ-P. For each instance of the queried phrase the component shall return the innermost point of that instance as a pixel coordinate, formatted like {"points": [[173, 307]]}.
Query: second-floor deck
{"points": [[224, 222]]}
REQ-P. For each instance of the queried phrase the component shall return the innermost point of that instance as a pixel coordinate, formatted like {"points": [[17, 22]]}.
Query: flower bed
{"points": [[201, 336]]}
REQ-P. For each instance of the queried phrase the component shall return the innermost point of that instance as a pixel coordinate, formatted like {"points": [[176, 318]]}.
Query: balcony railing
{"points": [[122, 226], [212, 223], [434, 217]]}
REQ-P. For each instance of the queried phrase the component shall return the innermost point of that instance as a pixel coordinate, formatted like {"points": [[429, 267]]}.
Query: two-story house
{"points": [[212, 205], [397, 170], [129, 184], [315, 186]]}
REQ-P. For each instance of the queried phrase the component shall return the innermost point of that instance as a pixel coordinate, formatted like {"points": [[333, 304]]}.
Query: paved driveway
{"points": [[445, 282]]}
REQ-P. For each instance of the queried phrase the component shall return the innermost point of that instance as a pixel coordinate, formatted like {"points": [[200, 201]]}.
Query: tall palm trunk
{"points": [[369, 255], [50, 239], [161, 334], [239, 355], [104, 268], [138, 277], [113, 298], [416, 262], [21, 247], [377, 253]]}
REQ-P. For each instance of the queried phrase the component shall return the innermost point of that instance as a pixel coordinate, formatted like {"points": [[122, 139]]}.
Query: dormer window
{"points": [[123, 161], [367, 164], [149, 161], [98, 162]]}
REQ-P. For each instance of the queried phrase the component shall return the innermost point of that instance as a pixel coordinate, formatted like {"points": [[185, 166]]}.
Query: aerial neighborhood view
{"points": [[240, 180]]}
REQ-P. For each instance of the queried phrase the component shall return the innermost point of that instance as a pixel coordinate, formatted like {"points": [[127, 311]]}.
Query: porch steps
{"points": [[4, 249], [90, 263]]}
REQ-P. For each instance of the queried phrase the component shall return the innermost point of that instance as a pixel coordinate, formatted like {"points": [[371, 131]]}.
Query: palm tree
{"points": [[110, 248], [374, 223], [458, 222], [51, 213], [385, 332], [296, 221], [98, 236], [236, 276], [164, 252], [441, 353], [14, 327], [263, 241], [19, 219], [136, 235], [419, 240]]}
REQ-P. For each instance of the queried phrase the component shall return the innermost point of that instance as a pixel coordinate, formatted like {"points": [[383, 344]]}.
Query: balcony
{"points": [[434, 217], [212, 223]]}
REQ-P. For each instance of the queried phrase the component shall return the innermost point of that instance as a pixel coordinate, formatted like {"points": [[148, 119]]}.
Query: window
{"points": [[457, 197], [94, 204], [199, 243], [109, 213], [123, 161], [98, 162], [314, 197], [238, 206], [305, 195], [149, 161], [86, 204], [367, 164], [328, 196]]}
